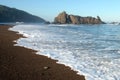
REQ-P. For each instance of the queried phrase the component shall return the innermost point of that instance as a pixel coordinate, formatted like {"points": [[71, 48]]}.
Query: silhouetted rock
{"points": [[64, 18], [47, 22]]}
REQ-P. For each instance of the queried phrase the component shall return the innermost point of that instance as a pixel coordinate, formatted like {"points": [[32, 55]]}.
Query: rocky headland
{"points": [[64, 18], [8, 14]]}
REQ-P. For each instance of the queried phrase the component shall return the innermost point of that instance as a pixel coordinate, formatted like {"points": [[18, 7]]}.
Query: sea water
{"points": [[92, 50]]}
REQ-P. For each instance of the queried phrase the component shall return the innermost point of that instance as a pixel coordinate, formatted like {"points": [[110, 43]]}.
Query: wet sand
{"points": [[19, 63]]}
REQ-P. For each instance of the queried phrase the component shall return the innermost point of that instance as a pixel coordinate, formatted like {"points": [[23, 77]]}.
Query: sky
{"points": [[108, 10]]}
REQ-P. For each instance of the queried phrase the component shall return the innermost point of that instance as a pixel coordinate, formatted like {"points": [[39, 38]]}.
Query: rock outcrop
{"points": [[61, 18], [64, 18]]}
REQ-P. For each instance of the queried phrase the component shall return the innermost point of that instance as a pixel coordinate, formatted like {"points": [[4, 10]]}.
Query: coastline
{"points": [[18, 63]]}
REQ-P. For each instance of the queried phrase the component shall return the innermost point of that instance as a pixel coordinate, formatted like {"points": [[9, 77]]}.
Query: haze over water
{"points": [[92, 50]]}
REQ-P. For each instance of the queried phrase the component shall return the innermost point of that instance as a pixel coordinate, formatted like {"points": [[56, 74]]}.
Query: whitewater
{"points": [[92, 50]]}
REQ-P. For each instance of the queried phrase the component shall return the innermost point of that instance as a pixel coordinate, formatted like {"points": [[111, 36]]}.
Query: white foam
{"points": [[74, 49]]}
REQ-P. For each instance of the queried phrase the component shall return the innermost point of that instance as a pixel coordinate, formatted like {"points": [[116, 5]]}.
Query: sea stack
{"points": [[64, 18]]}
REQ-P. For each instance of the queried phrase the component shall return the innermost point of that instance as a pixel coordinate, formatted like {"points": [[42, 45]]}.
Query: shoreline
{"points": [[19, 63]]}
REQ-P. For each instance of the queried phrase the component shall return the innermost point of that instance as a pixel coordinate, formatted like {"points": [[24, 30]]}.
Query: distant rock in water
{"points": [[8, 14], [64, 18]]}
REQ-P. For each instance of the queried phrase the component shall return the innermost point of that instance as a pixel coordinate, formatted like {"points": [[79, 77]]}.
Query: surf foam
{"points": [[83, 48]]}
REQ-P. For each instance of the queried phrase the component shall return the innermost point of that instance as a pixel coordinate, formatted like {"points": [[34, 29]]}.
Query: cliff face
{"points": [[64, 18], [8, 14]]}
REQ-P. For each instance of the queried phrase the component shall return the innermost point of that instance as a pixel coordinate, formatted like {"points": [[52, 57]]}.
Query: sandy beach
{"points": [[19, 63]]}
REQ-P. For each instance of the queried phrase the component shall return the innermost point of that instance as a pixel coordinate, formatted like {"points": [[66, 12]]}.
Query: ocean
{"points": [[92, 50]]}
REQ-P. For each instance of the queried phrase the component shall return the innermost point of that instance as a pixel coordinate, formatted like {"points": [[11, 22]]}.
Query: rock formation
{"points": [[64, 18]]}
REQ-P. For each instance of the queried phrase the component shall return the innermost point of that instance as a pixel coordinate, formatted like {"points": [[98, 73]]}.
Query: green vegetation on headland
{"points": [[8, 14]]}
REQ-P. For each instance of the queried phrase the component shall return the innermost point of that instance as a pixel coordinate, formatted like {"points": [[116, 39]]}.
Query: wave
{"points": [[81, 47]]}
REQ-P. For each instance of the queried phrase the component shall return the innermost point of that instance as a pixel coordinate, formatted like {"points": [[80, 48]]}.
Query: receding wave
{"points": [[92, 50]]}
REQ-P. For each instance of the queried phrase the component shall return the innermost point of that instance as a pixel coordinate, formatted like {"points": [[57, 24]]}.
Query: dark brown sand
{"points": [[18, 63]]}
